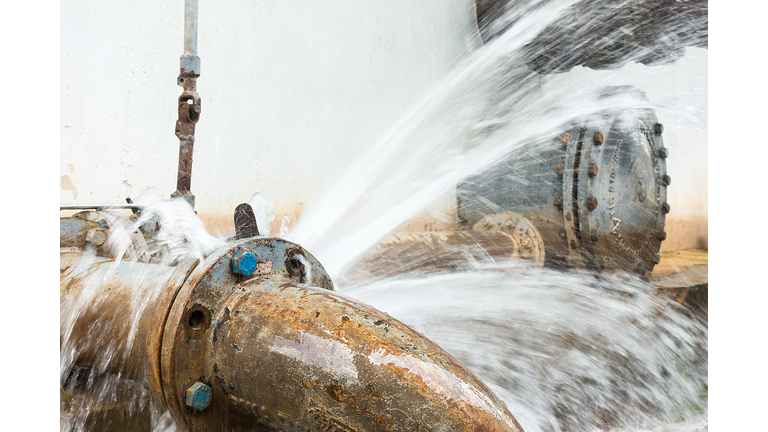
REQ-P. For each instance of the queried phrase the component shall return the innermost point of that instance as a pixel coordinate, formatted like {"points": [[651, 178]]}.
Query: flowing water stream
{"points": [[567, 351]]}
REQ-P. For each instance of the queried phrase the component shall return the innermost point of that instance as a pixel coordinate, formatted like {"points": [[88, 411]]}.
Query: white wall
{"points": [[291, 92]]}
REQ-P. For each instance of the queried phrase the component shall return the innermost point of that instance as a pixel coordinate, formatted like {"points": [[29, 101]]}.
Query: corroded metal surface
{"points": [[400, 253], [296, 357], [189, 103], [529, 241], [74, 233], [102, 300], [245, 222], [277, 349], [113, 221], [606, 211]]}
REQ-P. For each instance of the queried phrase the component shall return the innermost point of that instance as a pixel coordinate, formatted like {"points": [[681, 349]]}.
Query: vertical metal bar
{"points": [[190, 27], [189, 103]]}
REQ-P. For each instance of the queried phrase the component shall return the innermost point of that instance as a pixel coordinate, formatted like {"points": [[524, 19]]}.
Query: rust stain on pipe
{"points": [[274, 351]]}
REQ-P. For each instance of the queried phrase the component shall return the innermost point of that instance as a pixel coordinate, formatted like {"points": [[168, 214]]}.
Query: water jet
{"points": [[556, 359]]}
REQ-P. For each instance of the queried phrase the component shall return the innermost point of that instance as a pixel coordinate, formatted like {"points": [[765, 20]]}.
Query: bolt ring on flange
{"points": [[188, 310]]}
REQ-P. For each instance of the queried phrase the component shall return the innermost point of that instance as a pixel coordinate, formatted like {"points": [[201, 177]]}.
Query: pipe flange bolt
{"points": [[198, 396], [244, 263], [96, 236]]}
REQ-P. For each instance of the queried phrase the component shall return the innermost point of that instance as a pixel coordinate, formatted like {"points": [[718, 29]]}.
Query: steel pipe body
{"points": [[597, 193], [106, 311], [401, 253], [273, 347]]}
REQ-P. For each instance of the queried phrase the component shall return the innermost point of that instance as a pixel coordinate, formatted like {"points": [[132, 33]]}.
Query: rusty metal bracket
{"points": [[189, 104]]}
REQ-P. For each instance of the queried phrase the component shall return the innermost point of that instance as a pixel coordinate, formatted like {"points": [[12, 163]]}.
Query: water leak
{"points": [[566, 351]]}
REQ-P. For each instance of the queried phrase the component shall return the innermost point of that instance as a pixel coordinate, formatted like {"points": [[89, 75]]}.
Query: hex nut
{"points": [[597, 138], [244, 263], [666, 180], [592, 171], [198, 396], [559, 203], [658, 128], [591, 203], [662, 153], [665, 208], [662, 236], [96, 236]]}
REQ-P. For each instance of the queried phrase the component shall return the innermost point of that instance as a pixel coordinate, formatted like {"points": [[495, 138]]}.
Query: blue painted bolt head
{"points": [[244, 263], [198, 396]]}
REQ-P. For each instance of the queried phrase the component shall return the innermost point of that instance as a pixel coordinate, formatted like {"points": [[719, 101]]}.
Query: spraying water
{"points": [[489, 107], [565, 351]]}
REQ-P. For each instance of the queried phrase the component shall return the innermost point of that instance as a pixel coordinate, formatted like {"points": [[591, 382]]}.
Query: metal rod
{"points": [[190, 27], [101, 206], [189, 103]]}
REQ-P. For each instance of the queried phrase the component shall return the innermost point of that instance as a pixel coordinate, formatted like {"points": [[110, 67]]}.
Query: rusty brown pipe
{"points": [[276, 351], [501, 238]]}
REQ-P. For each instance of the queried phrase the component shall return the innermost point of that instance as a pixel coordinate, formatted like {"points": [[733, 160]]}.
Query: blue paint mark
{"points": [[244, 263], [199, 396]]}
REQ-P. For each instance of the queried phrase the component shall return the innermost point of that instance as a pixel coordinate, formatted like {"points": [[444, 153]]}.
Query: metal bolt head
{"points": [[666, 180], [597, 138], [665, 208], [592, 170], [559, 169], [658, 128], [662, 153], [559, 203], [526, 243], [662, 236], [96, 236], [198, 396], [591, 203], [244, 263]]}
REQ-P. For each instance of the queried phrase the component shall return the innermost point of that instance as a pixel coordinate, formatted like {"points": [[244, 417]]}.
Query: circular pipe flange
{"points": [[530, 244], [191, 324], [597, 193]]}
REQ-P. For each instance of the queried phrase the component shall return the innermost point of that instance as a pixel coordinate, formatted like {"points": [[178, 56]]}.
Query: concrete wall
{"points": [[291, 92]]}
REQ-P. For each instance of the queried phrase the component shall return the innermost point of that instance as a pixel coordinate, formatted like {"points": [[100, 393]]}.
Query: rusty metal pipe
{"points": [[100, 303], [257, 326], [499, 239]]}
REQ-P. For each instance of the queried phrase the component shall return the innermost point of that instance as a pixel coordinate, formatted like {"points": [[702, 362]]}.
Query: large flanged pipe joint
{"points": [[597, 192], [253, 337]]}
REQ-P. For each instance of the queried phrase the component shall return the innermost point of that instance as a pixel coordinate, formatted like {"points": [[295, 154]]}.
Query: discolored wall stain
{"points": [[67, 185]]}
